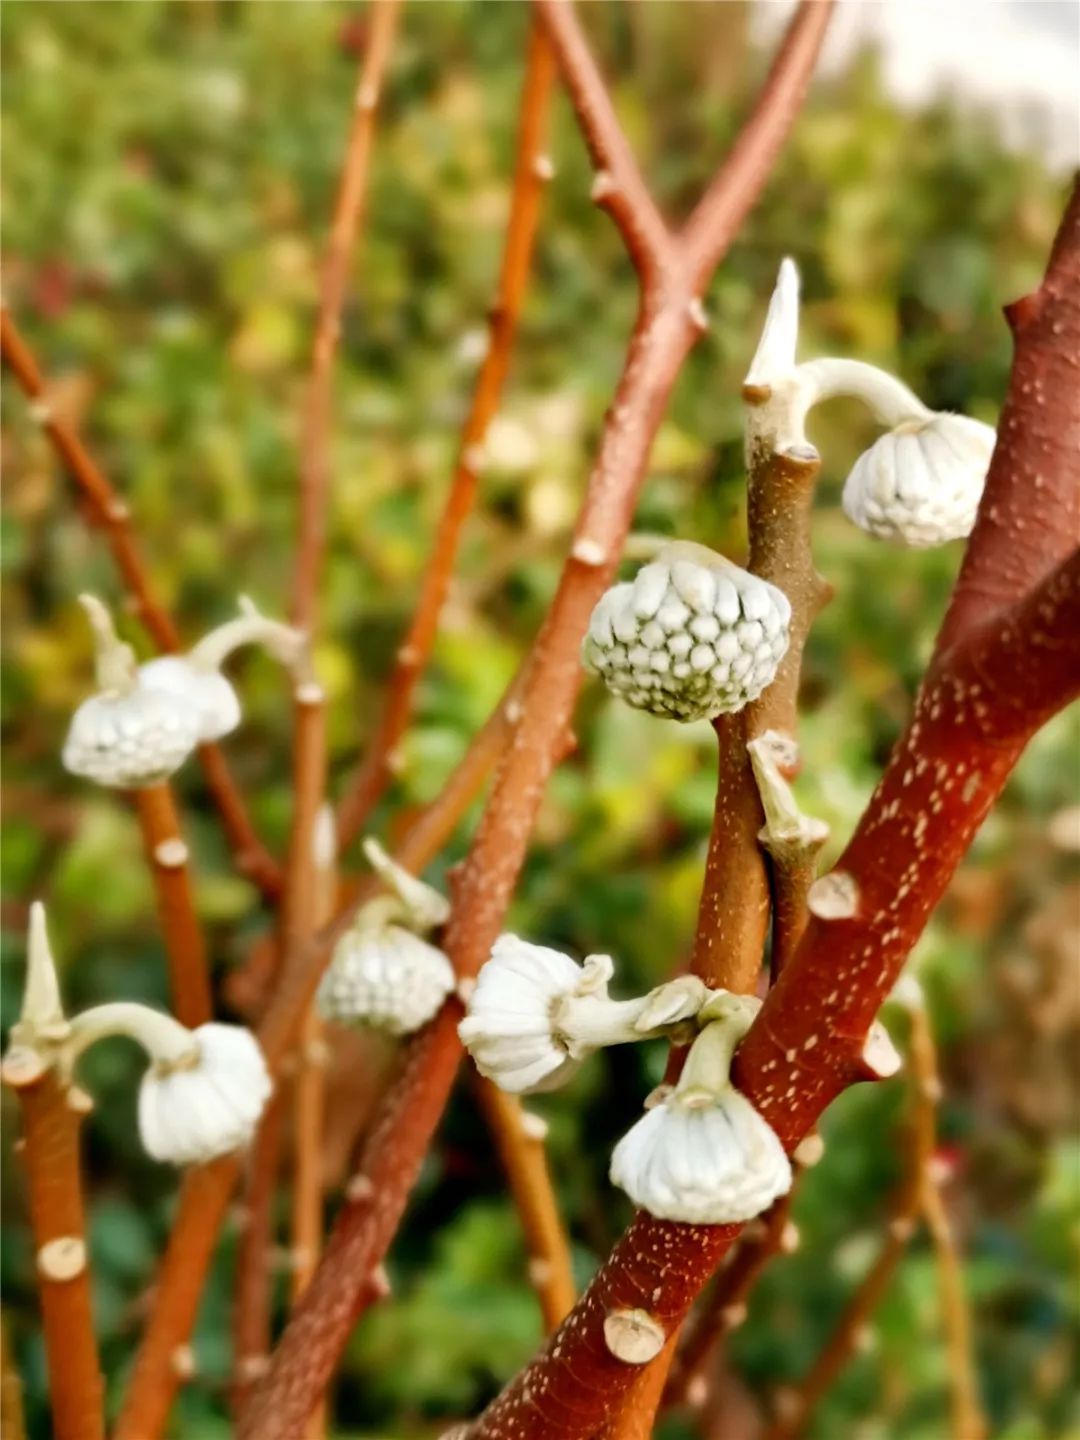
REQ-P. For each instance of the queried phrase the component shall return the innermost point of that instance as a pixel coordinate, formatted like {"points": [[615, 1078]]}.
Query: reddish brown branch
{"points": [[667, 327], [254, 1277], [1029, 518], [51, 1156], [113, 517], [724, 1309], [530, 174], [348, 209], [167, 856]]}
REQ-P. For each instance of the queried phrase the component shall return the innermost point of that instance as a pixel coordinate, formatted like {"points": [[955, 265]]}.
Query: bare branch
{"points": [[619, 186], [1029, 518], [530, 178]]}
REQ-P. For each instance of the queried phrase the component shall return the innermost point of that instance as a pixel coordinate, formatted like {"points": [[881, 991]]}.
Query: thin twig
{"points": [[51, 1117], [724, 1308], [519, 1137], [113, 517], [668, 325], [348, 210], [167, 857], [531, 172], [968, 1420]]}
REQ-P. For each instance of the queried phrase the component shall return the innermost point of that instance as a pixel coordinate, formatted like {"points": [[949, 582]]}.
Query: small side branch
{"points": [[619, 186], [167, 856], [519, 1136], [531, 173], [348, 211]]}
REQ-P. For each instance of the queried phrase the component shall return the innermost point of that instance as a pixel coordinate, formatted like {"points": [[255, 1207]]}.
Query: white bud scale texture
{"points": [[190, 1113], [387, 978], [921, 483], [131, 740], [690, 638]]}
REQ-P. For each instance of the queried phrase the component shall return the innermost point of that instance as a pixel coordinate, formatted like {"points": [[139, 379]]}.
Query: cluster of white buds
{"points": [[919, 484], [204, 1091], [383, 974], [703, 1154], [145, 720], [691, 637]]}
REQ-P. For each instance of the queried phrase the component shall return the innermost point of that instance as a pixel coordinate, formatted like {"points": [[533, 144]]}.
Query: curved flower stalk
{"points": [[703, 1155], [920, 483], [147, 719], [196, 677], [536, 1014], [204, 1091], [691, 637], [383, 974]]}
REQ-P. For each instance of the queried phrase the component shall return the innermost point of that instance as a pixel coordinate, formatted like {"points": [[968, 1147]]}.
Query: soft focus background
{"points": [[168, 176]]}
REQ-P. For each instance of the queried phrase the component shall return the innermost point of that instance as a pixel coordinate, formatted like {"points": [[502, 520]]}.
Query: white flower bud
{"points": [[691, 637], [703, 1155], [125, 737], [511, 1029], [384, 976], [207, 1104], [212, 697], [921, 483], [130, 741]]}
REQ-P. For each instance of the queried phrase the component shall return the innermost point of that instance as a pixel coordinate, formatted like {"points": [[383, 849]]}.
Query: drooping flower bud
{"points": [[921, 483], [703, 1155], [126, 737], [691, 637], [382, 974], [208, 1104]]}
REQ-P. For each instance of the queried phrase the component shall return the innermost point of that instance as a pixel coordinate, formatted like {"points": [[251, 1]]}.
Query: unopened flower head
{"points": [[382, 973], [921, 483], [703, 1155], [691, 637], [207, 1103], [512, 1028], [126, 737], [384, 976]]}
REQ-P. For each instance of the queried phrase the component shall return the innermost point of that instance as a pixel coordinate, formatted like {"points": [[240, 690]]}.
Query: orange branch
{"points": [[51, 1114], [348, 210], [113, 517], [167, 856], [519, 1137], [531, 171]]}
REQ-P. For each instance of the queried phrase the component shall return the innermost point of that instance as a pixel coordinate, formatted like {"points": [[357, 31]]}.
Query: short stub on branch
{"points": [[633, 1336]]}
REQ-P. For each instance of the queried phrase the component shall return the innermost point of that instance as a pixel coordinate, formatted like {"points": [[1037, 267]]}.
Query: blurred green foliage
{"points": [[168, 177]]}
